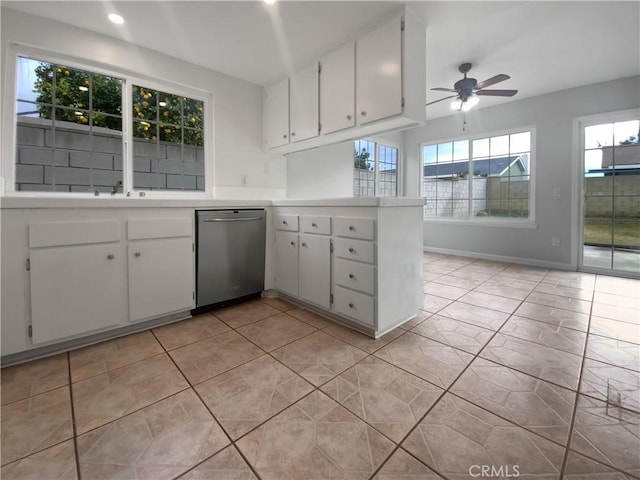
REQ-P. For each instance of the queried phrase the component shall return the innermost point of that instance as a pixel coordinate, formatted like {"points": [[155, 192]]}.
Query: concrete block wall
{"points": [[364, 183], [507, 196], [74, 159], [449, 197], [600, 191]]}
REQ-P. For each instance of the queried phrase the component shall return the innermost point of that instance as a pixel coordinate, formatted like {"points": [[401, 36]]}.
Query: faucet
{"points": [[116, 186]]}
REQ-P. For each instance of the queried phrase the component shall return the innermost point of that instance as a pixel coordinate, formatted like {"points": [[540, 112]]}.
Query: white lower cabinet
{"points": [[287, 262], [76, 289], [161, 273], [303, 261], [314, 270], [357, 306], [85, 277], [363, 265]]}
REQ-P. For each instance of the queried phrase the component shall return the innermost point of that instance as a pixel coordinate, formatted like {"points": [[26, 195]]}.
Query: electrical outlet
{"points": [[555, 241]]}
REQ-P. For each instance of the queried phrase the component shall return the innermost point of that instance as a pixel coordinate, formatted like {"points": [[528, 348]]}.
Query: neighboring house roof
{"points": [[493, 167]]}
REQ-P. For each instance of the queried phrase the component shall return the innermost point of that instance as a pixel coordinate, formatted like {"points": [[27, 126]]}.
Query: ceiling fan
{"points": [[467, 90]]}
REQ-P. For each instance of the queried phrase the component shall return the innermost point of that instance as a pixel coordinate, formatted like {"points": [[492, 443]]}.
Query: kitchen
{"points": [[242, 174]]}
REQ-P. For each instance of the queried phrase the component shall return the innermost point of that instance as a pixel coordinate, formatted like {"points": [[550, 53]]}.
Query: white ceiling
{"points": [[543, 46]]}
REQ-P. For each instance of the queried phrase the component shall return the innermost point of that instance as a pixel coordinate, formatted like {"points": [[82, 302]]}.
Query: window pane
{"points": [[364, 168], [520, 142], [445, 152], [62, 149], [167, 154], [430, 154], [388, 171], [461, 150], [481, 148], [499, 145], [497, 180]]}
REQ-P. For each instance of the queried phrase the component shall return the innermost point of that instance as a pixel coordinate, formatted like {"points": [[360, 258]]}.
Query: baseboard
{"points": [[41, 352], [503, 258]]}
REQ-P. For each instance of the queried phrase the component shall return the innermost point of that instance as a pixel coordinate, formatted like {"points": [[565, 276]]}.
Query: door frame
{"points": [[577, 185]]}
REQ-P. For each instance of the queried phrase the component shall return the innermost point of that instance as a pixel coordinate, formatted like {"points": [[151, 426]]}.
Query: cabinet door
{"points": [[76, 290], [315, 280], [338, 89], [303, 104], [276, 114], [287, 262], [161, 277], [379, 73]]}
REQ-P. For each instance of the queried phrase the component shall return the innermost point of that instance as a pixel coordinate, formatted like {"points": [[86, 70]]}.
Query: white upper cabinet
{"points": [[303, 104], [338, 89], [276, 115], [374, 85], [379, 73]]}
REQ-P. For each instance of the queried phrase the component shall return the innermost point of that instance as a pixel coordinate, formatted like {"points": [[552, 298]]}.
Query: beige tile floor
{"points": [[508, 371]]}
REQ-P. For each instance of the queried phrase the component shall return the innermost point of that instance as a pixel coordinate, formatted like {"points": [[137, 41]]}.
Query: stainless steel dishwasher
{"points": [[230, 254]]}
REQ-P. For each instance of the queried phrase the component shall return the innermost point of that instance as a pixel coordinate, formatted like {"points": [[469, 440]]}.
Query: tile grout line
{"points": [[574, 414], [73, 419], [447, 390], [192, 388]]}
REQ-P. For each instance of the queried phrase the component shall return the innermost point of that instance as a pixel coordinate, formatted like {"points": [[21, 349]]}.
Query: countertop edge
{"points": [[8, 203]]}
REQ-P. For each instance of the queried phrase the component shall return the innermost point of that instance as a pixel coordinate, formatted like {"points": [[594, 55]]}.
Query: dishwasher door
{"points": [[230, 254]]}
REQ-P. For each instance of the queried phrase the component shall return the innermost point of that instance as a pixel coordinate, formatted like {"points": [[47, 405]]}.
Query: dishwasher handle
{"points": [[241, 219]]}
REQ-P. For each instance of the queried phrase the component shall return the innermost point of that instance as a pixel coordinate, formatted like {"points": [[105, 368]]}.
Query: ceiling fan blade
{"points": [[445, 90], [501, 77], [497, 93], [445, 98]]}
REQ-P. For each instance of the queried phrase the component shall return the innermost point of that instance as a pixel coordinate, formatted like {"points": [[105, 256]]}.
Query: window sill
{"points": [[483, 222]]}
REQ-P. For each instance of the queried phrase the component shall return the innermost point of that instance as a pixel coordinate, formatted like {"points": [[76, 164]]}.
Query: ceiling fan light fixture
{"points": [[465, 105]]}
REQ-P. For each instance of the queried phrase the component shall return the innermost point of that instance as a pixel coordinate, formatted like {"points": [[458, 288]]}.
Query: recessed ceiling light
{"points": [[115, 18], [269, 2], [82, 88], [163, 104]]}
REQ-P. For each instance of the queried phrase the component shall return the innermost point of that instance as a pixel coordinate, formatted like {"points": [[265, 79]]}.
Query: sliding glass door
{"points": [[611, 197]]}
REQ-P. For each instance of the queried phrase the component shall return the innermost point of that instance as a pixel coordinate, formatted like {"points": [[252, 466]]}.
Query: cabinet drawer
{"points": [[358, 276], [354, 227], [287, 222], [360, 250], [315, 224], [355, 305]]}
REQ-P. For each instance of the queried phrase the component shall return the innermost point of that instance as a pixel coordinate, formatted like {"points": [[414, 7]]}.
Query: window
{"points": [[72, 129], [375, 170], [478, 177]]}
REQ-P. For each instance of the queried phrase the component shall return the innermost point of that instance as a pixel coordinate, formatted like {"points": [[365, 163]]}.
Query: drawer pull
{"points": [[352, 228], [293, 243], [348, 117], [111, 256], [137, 254], [351, 250], [351, 276], [284, 136], [304, 244], [314, 225], [293, 134], [350, 305], [284, 222], [363, 113]]}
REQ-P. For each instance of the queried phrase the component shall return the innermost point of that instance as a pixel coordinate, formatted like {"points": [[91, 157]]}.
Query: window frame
{"points": [[399, 166], [515, 222], [9, 130]]}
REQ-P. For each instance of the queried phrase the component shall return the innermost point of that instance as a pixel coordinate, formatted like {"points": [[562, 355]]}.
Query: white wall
{"points": [[242, 169], [328, 171], [552, 115]]}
